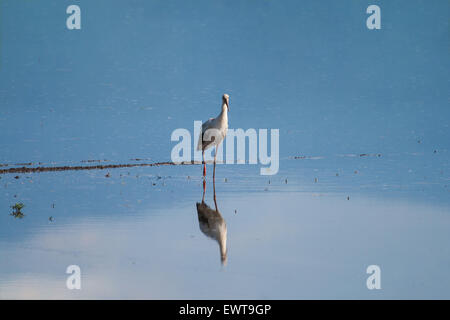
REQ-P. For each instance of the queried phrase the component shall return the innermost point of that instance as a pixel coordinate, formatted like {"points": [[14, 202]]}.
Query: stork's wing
{"points": [[210, 221], [204, 140]]}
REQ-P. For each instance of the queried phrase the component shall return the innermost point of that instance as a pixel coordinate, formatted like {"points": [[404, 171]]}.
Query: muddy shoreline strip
{"points": [[96, 167]]}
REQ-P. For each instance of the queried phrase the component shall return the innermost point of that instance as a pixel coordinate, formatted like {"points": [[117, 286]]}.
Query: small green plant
{"points": [[18, 206], [17, 213]]}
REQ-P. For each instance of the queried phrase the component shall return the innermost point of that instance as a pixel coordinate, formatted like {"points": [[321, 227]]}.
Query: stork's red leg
{"points": [[204, 190], [204, 163]]}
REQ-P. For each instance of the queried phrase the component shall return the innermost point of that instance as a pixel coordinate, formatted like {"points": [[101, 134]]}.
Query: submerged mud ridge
{"points": [[96, 167]]}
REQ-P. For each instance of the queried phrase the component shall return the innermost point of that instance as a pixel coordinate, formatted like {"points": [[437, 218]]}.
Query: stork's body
{"points": [[213, 132], [213, 225]]}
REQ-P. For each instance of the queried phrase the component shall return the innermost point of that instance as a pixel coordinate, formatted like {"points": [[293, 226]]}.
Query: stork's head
{"points": [[226, 100]]}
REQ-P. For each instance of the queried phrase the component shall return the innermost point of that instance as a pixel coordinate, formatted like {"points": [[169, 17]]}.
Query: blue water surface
{"points": [[364, 148]]}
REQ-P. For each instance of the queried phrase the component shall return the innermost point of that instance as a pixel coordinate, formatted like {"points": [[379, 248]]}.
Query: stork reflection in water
{"points": [[212, 224]]}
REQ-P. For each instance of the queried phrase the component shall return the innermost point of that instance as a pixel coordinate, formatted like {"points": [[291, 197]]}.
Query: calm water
{"points": [[367, 109]]}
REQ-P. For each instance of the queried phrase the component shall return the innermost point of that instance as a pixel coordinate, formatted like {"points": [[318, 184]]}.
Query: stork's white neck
{"points": [[224, 114], [223, 243]]}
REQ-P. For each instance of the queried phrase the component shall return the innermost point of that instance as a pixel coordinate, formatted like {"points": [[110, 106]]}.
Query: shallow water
{"points": [[364, 140], [136, 234]]}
